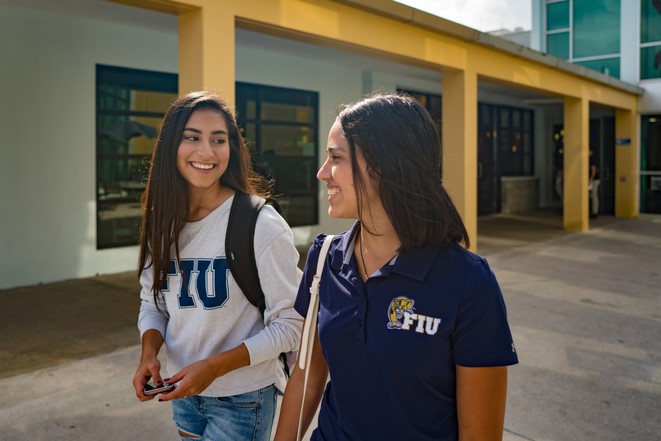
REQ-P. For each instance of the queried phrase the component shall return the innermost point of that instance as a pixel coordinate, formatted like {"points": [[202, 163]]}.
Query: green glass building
{"points": [[621, 39]]}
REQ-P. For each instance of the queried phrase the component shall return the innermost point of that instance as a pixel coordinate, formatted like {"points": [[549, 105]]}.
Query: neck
{"points": [[374, 250], [382, 242], [201, 203]]}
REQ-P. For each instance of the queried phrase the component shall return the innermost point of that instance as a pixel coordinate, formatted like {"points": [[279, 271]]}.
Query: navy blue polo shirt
{"points": [[392, 344]]}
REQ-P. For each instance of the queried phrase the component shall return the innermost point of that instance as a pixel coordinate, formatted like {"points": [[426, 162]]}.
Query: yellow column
{"points": [[207, 51], [576, 164], [627, 179], [460, 145]]}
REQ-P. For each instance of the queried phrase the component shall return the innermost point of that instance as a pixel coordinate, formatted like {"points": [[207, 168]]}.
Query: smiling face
{"points": [[337, 172], [204, 150]]}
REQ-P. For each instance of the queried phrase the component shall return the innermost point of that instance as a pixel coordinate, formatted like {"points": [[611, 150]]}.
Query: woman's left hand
{"points": [[197, 376], [191, 380]]}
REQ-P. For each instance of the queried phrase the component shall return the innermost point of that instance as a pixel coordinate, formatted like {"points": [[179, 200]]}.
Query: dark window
{"points": [[433, 104], [512, 128], [515, 146], [130, 105], [557, 15], [557, 29], [590, 18], [608, 66], [281, 128], [557, 44], [650, 62], [650, 22], [650, 39]]}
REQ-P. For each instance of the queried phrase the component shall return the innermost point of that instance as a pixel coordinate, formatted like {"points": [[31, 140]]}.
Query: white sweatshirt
{"points": [[214, 315]]}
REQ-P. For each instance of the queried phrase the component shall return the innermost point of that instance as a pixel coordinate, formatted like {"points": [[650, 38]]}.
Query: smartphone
{"points": [[151, 389]]}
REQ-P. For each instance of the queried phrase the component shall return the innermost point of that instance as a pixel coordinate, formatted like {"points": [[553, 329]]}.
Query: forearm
{"points": [[230, 360], [481, 398], [282, 334], [152, 340], [291, 403]]}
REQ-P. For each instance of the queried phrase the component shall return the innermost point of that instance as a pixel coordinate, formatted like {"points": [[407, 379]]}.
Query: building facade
{"points": [[622, 39], [85, 83]]}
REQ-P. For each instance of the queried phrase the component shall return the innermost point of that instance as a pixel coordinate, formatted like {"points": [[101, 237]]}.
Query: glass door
{"points": [[650, 164], [488, 187]]}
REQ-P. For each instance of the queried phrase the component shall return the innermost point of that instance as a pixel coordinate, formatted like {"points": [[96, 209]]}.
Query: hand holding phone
{"points": [[151, 389]]}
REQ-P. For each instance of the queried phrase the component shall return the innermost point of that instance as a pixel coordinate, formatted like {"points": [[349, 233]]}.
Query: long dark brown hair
{"points": [[402, 149], [165, 200]]}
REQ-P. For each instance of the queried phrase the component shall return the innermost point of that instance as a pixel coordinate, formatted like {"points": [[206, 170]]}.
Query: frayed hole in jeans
{"points": [[189, 435]]}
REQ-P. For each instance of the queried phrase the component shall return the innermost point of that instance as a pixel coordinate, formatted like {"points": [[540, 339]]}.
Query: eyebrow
{"points": [[334, 147], [217, 132]]}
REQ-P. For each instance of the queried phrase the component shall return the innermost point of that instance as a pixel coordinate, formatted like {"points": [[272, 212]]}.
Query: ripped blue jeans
{"points": [[241, 417]]}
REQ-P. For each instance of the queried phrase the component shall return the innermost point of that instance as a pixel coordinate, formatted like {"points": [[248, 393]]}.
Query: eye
{"points": [[190, 138], [220, 141]]}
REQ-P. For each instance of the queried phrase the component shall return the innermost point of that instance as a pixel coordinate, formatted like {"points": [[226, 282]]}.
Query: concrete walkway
{"points": [[585, 310]]}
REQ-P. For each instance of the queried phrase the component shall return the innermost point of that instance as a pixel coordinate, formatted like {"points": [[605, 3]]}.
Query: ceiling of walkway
{"points": [[100, 10]]}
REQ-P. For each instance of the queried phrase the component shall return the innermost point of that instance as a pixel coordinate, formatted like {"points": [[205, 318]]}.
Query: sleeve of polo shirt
{"points": [[303, 296], [481, 336]]}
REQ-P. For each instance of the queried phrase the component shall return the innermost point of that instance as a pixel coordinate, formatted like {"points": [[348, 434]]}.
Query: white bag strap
{"points": [[307, 339]]}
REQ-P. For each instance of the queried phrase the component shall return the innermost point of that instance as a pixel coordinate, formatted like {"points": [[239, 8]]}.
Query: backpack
{"points": [[240, 252]]}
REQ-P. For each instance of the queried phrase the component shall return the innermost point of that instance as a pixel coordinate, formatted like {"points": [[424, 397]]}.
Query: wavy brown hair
{"points": [[165, 200], [402, 149]]}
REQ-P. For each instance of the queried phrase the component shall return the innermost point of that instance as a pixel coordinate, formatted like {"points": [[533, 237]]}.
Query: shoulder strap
{"points": [[240, 246], [310, 327], [307, 339]]}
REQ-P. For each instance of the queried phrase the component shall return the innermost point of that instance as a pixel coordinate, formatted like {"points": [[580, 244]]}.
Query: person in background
{"points": [[222, 354], [593, 186], [412, 341]]}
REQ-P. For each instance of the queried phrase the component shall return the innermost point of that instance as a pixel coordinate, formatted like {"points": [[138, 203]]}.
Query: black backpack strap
{"points": [[240, 246], [240, 251]]}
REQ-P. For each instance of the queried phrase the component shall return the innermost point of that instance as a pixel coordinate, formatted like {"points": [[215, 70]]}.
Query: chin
{"points": [[333, 213], [337, 214]]}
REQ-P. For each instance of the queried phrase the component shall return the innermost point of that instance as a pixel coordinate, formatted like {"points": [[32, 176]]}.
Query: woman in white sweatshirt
{"points": [[222, 355]]}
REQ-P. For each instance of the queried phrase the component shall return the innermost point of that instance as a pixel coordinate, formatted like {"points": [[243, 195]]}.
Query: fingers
{"points": [[174, 395], [144, 373], [177, 392], [139, 383]]}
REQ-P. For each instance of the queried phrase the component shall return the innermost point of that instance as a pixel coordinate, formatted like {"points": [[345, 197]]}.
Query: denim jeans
{"points": [[241, 417]]}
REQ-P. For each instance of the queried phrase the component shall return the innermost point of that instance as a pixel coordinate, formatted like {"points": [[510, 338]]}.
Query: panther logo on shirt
{"points": [[401, 316], [399, 306]]}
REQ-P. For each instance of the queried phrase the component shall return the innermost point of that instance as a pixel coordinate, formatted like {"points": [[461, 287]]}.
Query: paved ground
{"points": [[585, 310]]}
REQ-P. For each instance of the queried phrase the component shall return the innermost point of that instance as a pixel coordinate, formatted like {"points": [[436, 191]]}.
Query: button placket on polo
{"points": [[360, 302]]}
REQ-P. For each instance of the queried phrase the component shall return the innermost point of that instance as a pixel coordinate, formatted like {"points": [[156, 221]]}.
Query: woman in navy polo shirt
{"points": [[412, 327]]}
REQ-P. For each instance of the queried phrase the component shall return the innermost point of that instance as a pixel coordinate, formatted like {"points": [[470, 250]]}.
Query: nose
{"points": [[205, 148], [324, 171]]}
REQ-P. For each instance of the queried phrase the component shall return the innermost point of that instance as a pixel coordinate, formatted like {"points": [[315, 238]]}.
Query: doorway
{"points": [[488, 187], [602, 144], [504, 149]]}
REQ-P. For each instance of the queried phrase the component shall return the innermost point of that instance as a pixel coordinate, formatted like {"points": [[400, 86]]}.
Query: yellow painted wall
{"points": [[576, 164], [627, 160], [206, 51], [460, 145]]}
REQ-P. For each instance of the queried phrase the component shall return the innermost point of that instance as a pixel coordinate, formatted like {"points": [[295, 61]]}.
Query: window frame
{"points": [[257, 92], [570, 31], [128, 80]]}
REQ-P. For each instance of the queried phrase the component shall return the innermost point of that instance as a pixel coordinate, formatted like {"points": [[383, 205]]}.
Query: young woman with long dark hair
{"points": [[222, 354]]}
